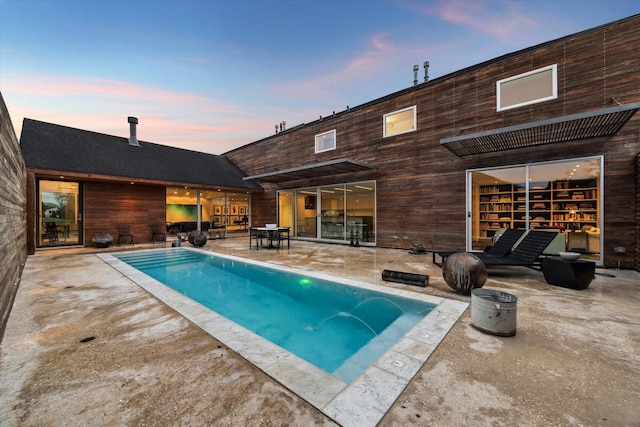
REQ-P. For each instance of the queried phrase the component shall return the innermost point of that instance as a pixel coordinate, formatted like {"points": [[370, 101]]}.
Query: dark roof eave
{"points": [[313, 170], [69, 174]]}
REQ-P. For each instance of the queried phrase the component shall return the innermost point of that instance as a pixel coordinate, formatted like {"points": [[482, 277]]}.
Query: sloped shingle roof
{"points": [[65, 149]]}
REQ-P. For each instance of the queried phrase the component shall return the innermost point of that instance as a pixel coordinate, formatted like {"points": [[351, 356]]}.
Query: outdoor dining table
{"points": [[258, 232]]}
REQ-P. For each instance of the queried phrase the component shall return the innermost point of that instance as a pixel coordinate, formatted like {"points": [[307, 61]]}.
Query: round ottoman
{"points": [[463, 272], [102, 240], [197, 238]]}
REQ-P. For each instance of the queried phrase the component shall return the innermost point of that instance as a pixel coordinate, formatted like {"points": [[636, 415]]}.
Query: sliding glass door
{"points": [[307, 213], [332, 223], [563, 196], [498, 202], [59, 213], [340, 212]]}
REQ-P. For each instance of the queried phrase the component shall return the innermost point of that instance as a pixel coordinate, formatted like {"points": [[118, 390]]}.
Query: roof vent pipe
{"points": [[415, 75], [133, 139], [426, 71]]}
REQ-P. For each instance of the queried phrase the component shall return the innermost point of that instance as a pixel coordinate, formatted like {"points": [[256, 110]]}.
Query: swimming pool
{"points": [[363, 401], [339, 328]]}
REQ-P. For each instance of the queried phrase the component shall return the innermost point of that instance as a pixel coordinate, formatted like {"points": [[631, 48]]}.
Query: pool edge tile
{"points": [[361, 403]]}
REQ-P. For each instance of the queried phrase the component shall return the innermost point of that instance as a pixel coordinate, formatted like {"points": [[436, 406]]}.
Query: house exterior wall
{"points": [[637, 261], [13, 215], [421, 185], [108, 204]]}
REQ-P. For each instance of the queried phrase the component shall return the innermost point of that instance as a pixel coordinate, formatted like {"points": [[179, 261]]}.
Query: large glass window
{"points": [[59, 213], [332, 222], [562, 196], [361, 204], [307, 208], [499, 202], [190, 209], [237, 212], [286, 209], [340, 212], [183, 212]]}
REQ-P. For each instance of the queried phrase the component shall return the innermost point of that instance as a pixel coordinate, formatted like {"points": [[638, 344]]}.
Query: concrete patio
{"points": [[574, 361]]}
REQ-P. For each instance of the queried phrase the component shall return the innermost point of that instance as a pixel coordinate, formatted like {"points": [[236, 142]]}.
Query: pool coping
{"points": [[364, 401]]}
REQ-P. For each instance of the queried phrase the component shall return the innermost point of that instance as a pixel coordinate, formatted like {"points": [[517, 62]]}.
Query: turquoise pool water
{"points": [[341, 329]]}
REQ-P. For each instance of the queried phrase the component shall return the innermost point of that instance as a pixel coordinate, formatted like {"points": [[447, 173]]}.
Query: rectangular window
{"points": [[401, 121], [527, 88], [560, 196], [326, 141]]}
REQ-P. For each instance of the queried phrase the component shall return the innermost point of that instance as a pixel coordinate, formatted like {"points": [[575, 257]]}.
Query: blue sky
{"points": [[214, 75]]}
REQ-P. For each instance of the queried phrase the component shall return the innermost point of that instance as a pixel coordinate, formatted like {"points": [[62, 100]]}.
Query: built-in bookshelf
{"points": [[570, 204]]}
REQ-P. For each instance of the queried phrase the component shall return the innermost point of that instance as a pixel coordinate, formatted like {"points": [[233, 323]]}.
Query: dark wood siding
{"points": [[637, 261], [13, 215], [108, 204], [421, 185]]}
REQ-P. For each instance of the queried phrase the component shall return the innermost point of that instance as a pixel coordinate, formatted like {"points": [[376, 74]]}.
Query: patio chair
{"points": [[279, 236], [526, 254], [158, 230], [501, 247], [51, 232], [257, 235], [124, 230]]}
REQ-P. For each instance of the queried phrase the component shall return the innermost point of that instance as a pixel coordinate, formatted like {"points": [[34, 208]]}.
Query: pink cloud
{"points": [[380, 56], [65, 86], [102, 105], [504, 24]]}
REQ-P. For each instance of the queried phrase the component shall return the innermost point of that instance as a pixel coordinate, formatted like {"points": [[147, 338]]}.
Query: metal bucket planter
{"points": [[494, 312]]}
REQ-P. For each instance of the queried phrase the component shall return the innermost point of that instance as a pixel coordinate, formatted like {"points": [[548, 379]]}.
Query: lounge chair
{"points": [[526, 254], [500, 248]]}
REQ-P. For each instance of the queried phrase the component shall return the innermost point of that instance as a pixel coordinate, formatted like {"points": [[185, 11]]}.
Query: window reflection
{"points": [[558, 196], [59, 213]]}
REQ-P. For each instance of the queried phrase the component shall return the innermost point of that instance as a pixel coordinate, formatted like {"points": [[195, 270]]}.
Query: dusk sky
{"points": [[214, 75]]}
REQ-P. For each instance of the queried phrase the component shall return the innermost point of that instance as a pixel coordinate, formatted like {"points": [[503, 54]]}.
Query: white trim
{"points": [[323, 134], [413, 128], [554, 87]]}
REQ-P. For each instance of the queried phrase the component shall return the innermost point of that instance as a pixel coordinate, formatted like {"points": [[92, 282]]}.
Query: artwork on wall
{"points": [[243, 210], [217, 210], [182, 213], [234, 209]]}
